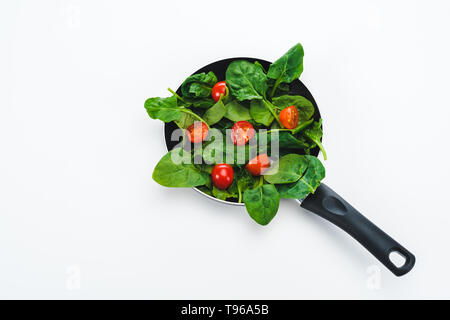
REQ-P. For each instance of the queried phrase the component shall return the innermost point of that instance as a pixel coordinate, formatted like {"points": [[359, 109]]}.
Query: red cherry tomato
{"points": [[258, 165], [197, 132], [289, 117], [222, 175], [220, 88], [242, 132]]}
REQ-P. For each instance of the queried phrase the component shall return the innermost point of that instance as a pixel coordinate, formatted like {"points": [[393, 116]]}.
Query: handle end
{"points": [[332, 207], [408, 264]]}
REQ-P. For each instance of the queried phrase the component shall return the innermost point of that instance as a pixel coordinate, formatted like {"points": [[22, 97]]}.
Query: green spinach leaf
{"points": [[282, 89], [260, 112], [223, 194], [185, 120], [288, 169], [165, 109], [287, 141], [222, 151], [314, 133], [215, 113], [262, 203], [258, 64], [224, 124], [246, 80], [244, 181], [287, 68], [203, 103], [203, 167], [170, 174], [236, 111], [307, 184], [199, 85], [304, 106], [302, 126]]}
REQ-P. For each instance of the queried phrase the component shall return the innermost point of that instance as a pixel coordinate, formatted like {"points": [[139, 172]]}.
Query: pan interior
{"points": [[219, 68]]}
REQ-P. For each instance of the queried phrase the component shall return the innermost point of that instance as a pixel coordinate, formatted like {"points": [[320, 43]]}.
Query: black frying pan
{"points": [[325, 202]]}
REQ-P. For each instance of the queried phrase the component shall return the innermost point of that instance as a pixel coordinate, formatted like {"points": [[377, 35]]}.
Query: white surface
{"points": [[80, 216]]}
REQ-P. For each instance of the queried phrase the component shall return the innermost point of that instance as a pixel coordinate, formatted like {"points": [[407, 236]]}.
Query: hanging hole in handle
{"points": [[397, 258]]}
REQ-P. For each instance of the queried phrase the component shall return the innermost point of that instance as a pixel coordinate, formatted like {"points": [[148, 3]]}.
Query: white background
{"points": [[80, 216]]}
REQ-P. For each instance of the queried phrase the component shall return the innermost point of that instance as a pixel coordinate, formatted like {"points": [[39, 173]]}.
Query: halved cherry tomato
{"points": [[289, 117], [220, 88], [197, 132], [222, 175], [242, 132], [258, 165]]}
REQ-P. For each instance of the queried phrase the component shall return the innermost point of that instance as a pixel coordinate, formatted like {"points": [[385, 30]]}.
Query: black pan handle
{"points": [[329, 205]]}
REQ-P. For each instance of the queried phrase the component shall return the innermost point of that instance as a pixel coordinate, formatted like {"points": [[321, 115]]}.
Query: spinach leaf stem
{"points": [[319, 144], [275, 86], [175, 94], [273, 130], [194, 115], [269, 105]]}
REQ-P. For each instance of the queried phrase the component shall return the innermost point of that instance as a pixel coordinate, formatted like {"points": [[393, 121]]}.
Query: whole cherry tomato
{"points": [[258, 165], [220, 88], [242, 132], [222, 175], [289, 117], [197, 132]]}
